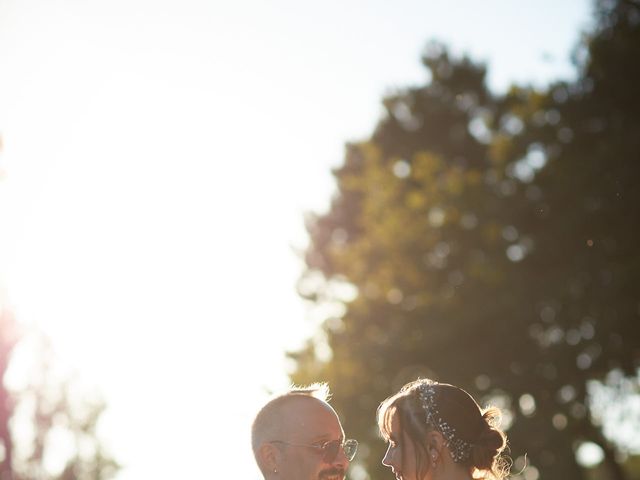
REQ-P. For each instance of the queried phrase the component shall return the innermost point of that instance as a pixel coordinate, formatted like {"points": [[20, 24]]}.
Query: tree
{"points": [[47, 430], [484, 240]]}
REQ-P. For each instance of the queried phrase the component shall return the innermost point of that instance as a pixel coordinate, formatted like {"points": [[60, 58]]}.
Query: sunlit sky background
{"points": [[158, 160]]}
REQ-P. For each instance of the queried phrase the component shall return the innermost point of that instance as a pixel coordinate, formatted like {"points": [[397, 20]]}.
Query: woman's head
{"points": [[426, 419]]}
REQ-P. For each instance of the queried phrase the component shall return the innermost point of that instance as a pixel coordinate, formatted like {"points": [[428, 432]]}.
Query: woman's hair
{"points": [[471, 433]]}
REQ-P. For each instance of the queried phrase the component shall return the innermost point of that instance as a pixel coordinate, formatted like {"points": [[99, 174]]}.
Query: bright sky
{"points": [[158, 159]]}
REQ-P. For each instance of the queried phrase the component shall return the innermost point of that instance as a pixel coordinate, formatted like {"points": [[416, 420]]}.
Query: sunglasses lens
{"points": [[331, 450], [350, 449]]}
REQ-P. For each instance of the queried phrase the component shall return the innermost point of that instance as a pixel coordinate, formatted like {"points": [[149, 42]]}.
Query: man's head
{"points": [[290, 437]]}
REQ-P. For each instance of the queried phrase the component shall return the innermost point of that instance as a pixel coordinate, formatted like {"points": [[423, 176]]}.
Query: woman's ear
{"points": [[269, 457], [435, 444]]}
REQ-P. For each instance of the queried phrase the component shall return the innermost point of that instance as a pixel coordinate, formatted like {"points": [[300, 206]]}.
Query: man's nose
{"points": [[341, 459]]}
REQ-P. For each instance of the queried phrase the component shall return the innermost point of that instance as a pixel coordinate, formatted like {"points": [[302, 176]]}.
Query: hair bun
{"points": [[490, 443]]}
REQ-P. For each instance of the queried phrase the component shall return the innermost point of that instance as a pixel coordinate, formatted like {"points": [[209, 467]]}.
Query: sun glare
{"points": [[158, 159]]}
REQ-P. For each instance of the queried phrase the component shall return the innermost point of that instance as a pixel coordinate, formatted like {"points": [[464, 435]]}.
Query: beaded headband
{"points": [[459, 449]]}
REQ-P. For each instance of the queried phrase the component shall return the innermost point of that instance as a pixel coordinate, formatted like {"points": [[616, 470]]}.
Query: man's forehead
{"points": [[305, 404], [310, 417]]}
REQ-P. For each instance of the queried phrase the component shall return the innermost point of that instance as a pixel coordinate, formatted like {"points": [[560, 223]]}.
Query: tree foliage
{"points": [[489, 241], [47, 425]]}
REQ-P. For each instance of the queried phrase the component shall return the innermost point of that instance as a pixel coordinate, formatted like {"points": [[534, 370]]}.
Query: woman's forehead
{"points": [[390, 421]]}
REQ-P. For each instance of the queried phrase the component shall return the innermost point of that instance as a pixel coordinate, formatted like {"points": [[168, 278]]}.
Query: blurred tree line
{"points": [[48, 424], [492, 241]]}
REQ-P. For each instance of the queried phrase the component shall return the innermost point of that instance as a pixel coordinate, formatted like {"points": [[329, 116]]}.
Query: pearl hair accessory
{"points": [[459, 449]]}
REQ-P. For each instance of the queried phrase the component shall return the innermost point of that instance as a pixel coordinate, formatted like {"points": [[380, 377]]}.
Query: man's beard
{"points": [[331, 472]]}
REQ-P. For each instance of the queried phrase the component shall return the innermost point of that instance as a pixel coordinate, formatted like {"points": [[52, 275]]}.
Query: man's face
{"points": [[311, 422]]}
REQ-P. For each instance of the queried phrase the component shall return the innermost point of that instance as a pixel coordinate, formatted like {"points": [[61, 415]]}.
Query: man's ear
{"points": [[270, 457]]}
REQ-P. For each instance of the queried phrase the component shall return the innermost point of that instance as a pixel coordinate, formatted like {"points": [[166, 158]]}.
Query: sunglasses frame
{"points": [[349, 447]]}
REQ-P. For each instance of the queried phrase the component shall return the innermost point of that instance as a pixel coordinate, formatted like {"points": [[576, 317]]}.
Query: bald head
{"points": [[288, 416]]}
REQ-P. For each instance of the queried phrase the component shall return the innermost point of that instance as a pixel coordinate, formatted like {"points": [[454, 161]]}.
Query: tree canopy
{"points": [[48, 426], [490, 241]]}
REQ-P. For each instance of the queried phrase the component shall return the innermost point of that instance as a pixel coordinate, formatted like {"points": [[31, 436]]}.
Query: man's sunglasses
{"points": [[329, 450]]}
